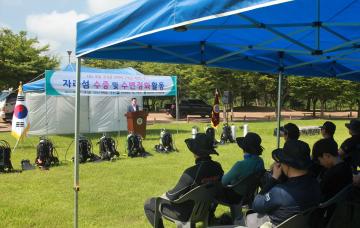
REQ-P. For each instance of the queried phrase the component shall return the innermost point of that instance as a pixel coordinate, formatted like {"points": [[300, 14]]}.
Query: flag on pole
{"points": [[20, 121], [215, 118]]}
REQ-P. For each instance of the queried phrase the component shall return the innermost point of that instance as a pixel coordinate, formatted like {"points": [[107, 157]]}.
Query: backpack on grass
{"points": [[226, 135], [85, 151], [45, 153], [5, 157], [134, 146], [107, 148], [166, 142]]}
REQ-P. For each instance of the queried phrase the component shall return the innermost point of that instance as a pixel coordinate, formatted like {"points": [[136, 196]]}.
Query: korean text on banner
{"points": [[61, 83]]}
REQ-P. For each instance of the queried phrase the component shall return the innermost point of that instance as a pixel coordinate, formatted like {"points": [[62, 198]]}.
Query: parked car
{"points": [[191, 107], [7, 105]]}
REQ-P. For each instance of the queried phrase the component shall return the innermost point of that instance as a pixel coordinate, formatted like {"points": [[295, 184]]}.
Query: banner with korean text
{"points": [[63, 83]]}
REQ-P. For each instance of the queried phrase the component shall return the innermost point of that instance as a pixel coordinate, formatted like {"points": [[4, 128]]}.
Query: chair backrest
{"points": [[300, 220], [202, 196], [340, 196], [247, 186]]}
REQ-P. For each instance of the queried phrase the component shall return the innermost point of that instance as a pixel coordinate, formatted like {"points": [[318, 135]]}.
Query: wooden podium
{"points": [[136, 122]]}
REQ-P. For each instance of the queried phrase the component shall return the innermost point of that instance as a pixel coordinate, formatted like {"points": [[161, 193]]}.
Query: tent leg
{"points": [[76, 156], [46, 115], [177, 106], [278, 110]]}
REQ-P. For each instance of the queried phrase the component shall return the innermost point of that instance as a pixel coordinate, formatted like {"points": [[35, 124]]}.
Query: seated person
{"points": [[251, 145], [298, 193], [338, 174], [328, 130], [290, 131], [204, 171], [350, 148]]}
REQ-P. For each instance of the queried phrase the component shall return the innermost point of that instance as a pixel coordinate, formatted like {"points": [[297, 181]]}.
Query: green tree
{"points": [[22, 58]]}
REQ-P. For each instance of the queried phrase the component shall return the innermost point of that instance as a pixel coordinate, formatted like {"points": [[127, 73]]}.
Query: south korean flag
{"points": [[20, 122]]}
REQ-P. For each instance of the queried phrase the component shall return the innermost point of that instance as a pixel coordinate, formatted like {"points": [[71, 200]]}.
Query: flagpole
{"points": [[17, 142]]}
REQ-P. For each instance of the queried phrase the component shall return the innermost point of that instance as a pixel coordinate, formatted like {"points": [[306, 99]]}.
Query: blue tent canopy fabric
{"points": [[39, 85], [300, 37]]}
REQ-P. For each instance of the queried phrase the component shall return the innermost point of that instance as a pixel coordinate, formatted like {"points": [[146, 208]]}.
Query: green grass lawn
{"points": [[112, 193]]}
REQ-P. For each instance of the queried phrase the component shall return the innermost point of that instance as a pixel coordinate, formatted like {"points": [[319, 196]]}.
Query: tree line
{"points": [[23, 58]]}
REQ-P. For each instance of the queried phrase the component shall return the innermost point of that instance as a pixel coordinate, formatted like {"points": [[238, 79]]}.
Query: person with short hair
{"points": [[133, 107], [204, 171], [350, 148], [291, 131], [328, 129], [279, 201], [338, 174]]}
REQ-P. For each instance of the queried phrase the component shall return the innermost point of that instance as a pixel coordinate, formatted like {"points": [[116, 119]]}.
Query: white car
{"points": [[7, 104]]}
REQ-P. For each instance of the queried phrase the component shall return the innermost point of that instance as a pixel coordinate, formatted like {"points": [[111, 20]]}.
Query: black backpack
{"points": [[166, 142], [45, 153], [226, 135], [210, 132], [134, 145], [107, 148], [85, 151], [5, 157]]}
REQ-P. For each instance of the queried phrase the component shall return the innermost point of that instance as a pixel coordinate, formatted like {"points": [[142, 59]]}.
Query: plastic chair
{"points": [[301, 220], [340, 196], [202, 197], [246, 187]]}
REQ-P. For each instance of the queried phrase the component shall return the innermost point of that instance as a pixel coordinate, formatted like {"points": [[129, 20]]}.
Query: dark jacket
{"points": [[335, 179], [131, 109], [351, 148], [284, 200], [204, 171]]}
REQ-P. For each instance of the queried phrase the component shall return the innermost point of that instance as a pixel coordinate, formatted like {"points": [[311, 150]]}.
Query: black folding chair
{"points": [[301, 220], [201, 196], [246, 188]]}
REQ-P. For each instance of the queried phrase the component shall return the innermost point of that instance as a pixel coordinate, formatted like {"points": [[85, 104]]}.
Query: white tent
{"points": [[55, 114]]}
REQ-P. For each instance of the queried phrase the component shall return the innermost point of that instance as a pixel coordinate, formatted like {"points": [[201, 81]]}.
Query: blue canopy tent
{"points": [[300, 37]]}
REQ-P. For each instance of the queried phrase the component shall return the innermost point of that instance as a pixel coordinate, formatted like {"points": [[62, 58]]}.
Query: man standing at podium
{"points": [[133, 107]]}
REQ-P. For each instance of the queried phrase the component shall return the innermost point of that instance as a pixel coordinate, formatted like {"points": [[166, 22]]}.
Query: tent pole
{"points": [[177, 106], [76, 156], [46, 115], [278, 110]]}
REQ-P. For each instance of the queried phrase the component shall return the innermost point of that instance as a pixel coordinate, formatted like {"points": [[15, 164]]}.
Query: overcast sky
{"points": [[52, 21]]}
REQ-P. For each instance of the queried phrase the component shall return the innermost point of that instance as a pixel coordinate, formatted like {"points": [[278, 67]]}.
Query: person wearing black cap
{"points": [[278, 202], [204, 171], [350, 148], [328, 129], [327, 132]]}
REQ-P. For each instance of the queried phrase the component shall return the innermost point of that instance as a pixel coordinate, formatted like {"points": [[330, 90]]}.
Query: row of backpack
{"points": [[47, 156]]}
